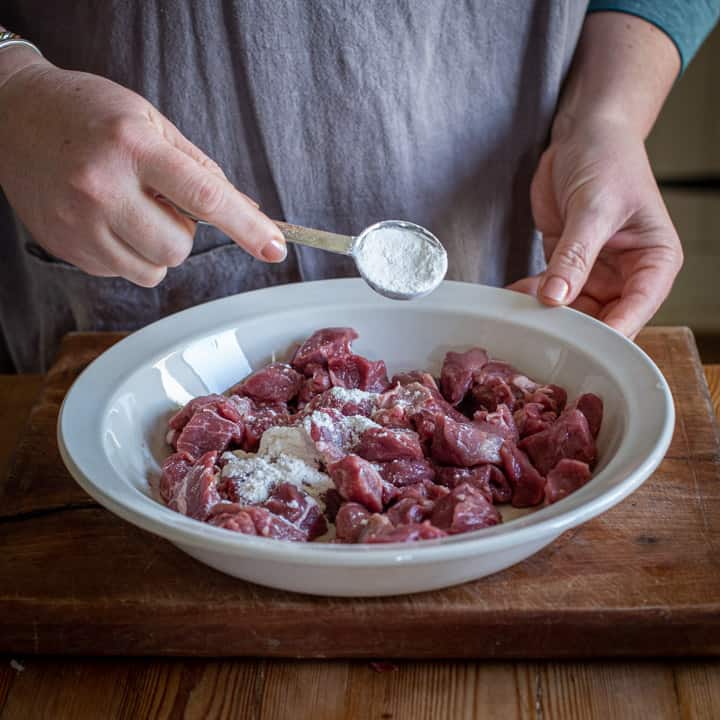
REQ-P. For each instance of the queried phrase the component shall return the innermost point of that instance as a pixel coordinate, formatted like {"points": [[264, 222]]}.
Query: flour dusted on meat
{"points": [[254, 477], [293, 441]]}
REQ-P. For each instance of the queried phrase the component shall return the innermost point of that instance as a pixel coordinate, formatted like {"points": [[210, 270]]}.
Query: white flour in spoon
{"points": [[401, 260]]}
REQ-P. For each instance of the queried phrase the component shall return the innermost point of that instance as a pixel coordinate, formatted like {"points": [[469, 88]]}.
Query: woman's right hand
{"points": [[83, 162]]}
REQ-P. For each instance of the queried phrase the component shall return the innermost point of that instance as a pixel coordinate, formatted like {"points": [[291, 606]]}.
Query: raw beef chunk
{"points": [[299, 508], [207, 430], [566, 477], [323, 345], [196, 494], [464, 509], [355, 372], [415, 376], [384, 445], [532, 418], [406, 471], [528, 486], [403, 533], [569, 437], [358, 481], [591, 406], [275, 383], [173, 472], [457, 373], [254, 520], [490, 480], [464, 444]]}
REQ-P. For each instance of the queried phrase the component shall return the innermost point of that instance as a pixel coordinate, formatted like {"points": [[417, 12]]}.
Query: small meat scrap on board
{"points": [[457, 373], [274, 383]]}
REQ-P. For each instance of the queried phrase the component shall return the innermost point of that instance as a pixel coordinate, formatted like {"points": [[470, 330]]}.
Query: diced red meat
{"points": [[457, 373], [275, 383], [222, 405], [410, 510], [385, 444], [464, 509], [490, 480], [333, 501], [350, 521], [414, 376], [565, 478], [551, 397], [464, 444], [528, 486], [591, 406], [406, 471], [397, 407], [358, 481], [317, 382], [173, 472], [323, 345], [346, 402], [569, 437], [424, 490], [232, 516], [207, 430], [259, 419], [355, 372], [404, 533], [502, 420], [532, 418], [492, 392], [197, 493], [299, 508], [254, 520]]}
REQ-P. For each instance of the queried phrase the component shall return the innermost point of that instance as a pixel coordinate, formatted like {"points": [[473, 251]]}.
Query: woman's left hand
{"points": [[611, 247]]}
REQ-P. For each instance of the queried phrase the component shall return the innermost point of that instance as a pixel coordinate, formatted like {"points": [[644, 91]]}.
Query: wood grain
{"points": [[642, 579]]}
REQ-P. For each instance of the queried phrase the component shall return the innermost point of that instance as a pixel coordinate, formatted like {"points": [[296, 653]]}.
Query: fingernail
{"points": [[555, 288], [274, 251]]}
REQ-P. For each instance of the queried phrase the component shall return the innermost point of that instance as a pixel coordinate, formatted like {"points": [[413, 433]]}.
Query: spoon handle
{"points": [[320, 239]]}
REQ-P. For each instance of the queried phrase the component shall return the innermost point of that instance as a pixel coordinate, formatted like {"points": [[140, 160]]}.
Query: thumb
{"points": [[586, 230]]}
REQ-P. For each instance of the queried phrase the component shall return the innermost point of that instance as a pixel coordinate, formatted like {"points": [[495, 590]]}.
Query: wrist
{"points": [[15, 59], [601, 120]]}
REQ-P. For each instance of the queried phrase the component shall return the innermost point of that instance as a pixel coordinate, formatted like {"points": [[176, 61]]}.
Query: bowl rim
{"points": [[162, 337]]}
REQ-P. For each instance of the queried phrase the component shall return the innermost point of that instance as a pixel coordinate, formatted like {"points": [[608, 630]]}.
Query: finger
{"points": [[586, 230], [588, 305], [176, 138], [528, 285], [204, 194], [124, 261], [158, 233], [646, 288]]}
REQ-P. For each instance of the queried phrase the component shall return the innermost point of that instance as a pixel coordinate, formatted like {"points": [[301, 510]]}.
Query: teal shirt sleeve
{"points": [[686, 22]]}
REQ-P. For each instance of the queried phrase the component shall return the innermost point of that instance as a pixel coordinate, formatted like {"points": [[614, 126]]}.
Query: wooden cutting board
{"points": [[641, 580]]}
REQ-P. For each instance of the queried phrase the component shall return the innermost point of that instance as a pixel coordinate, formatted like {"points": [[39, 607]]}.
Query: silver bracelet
{"points": [[8, 39]]}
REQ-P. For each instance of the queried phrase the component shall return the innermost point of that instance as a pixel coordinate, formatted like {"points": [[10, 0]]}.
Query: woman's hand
{"points": [[83, 163], [611, 247]]}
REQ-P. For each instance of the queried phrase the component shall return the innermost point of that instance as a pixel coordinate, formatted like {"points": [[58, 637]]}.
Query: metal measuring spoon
{"points": [[357, 248]]}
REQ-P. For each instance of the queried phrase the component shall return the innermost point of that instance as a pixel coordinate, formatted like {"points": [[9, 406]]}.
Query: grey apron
{"points": [[331, 113]]}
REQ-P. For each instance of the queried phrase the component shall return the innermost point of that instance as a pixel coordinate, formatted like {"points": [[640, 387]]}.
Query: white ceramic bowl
{"points": [[112, 423]]}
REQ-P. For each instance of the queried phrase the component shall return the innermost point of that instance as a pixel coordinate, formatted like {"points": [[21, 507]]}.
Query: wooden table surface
{"points": [[36, 687]]}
